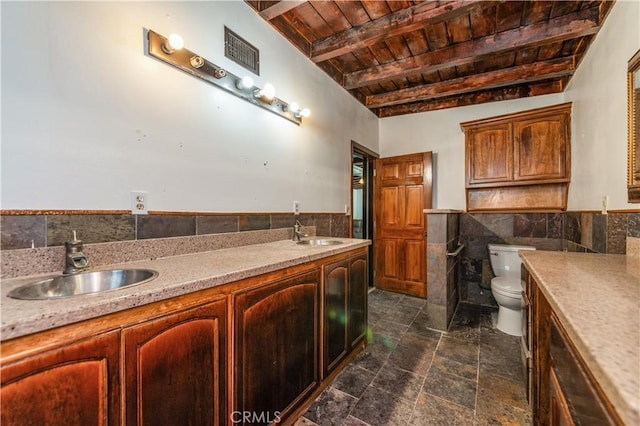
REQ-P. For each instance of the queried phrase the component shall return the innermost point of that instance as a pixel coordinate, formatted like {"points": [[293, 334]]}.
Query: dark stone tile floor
{"points": [[410, 374]]}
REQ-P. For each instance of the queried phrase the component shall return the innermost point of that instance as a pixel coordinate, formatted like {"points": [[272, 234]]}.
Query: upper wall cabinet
{"points": [[519, 161]]}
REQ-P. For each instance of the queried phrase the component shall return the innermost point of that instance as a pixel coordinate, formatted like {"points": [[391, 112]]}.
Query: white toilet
{"points": [[507, 286]]}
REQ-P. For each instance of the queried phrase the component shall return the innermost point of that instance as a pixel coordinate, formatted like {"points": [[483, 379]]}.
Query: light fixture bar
{"points": [[200, 67]]}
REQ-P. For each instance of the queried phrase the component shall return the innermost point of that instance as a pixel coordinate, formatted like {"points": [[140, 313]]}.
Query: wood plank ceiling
{"points": [[402, 57]]}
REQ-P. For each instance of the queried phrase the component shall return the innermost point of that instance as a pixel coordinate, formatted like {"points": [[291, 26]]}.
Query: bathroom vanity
{"points": [[583, 337], [247, 335]]}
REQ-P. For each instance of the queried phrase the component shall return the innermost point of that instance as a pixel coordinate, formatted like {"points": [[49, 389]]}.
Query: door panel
{"points": [[403, 191], [415, 260], [391, 200], [391, 251], [391, 172], [414, 169], [414, 202]]}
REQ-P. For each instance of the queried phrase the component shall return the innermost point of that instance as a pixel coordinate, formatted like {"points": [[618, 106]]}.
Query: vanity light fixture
{"points": [[171, 51]]}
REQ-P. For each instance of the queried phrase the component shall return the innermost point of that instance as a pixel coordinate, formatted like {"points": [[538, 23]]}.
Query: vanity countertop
{"points": [[178, 275], [597, 299]]}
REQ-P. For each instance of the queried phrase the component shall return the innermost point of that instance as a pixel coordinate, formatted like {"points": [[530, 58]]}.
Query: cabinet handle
{"points": [[525, 299]]}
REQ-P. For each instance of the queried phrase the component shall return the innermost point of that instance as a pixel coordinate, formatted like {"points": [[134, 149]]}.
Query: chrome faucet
{"points": [[75, 259], [296, 232]]}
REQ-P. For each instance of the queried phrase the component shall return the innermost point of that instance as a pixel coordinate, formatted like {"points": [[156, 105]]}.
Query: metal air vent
{"points": [[240, 51]]}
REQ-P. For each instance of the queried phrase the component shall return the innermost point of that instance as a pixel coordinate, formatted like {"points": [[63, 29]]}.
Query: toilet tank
{"points": [[505, 261]]}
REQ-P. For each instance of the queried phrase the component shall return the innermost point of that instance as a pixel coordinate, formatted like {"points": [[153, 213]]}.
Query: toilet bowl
{"points": [[507, 286]]}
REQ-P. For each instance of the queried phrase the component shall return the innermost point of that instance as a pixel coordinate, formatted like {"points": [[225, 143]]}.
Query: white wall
{"points": [[598, 91], [439, 131], [87, 117]]}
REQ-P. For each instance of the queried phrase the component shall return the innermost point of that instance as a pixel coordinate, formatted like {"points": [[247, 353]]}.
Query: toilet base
{"points": [[509, 321]]}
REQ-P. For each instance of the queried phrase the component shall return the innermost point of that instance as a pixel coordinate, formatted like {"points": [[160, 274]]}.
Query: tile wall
{"points": [[26, 231], [572, 231]]}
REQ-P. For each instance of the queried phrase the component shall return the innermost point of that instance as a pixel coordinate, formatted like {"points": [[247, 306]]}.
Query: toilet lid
{"points": [[507, 285]]}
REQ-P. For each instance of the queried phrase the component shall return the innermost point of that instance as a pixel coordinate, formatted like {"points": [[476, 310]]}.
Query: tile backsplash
{"points": [[591, 232], [26, 231]]}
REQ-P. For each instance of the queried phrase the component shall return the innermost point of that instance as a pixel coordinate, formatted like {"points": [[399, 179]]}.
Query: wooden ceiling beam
{"points": [[527, 73], [392, 25], [280, 8], [566, 27], [502, 94]]}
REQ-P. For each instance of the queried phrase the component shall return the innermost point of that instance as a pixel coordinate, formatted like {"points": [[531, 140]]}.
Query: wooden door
{"points": [[541, 147], [175, 368], [77, 384], [276, 347], [489, 154], [403, 191]]}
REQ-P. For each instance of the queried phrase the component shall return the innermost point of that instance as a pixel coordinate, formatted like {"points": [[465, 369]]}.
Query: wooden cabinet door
{"points": [[77, 384], [276, 346], [559, 410], [358, 292], [344, 291], [403, 191], [541, 147], [175, 368], [489, 154], [336, 320]]}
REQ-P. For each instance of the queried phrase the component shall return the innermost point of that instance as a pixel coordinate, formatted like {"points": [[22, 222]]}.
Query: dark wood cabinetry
{"points": [[358, 291], [276, 342], [247, 352], [519, 161], [563, 389], [344, 292], [335, 294], [175, 368], [490, 154], [73, 384]]}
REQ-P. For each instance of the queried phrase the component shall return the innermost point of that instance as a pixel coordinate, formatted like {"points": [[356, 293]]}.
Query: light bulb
{"points": [[294, 107], [176, 42], [173, 43], [268, 92], [244, 83], [305, 112]]}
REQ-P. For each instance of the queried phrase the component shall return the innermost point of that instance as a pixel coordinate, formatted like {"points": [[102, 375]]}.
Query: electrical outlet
{"points": [[296, 207], [347, 210], [139, 202], [605, 202]]}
